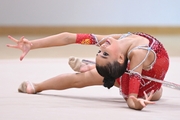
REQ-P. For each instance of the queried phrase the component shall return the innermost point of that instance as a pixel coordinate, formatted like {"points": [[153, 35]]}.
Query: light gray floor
{"points": [[90, 103]]}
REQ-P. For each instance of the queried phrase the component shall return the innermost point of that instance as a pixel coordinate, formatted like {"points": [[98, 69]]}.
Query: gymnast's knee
{"points": [[157, 95]]}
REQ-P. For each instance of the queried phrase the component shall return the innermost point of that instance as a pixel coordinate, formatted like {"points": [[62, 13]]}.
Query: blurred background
{"points": [[36, 19]]}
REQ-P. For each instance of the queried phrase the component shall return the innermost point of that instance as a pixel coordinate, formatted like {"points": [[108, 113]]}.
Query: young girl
{"points": [[122, 61]]}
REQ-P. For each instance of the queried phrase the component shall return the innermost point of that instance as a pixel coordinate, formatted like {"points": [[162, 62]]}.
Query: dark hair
{"points": [[111, 72]]}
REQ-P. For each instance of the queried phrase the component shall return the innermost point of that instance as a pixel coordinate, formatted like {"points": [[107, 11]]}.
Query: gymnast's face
{"points": [[108, 52]]}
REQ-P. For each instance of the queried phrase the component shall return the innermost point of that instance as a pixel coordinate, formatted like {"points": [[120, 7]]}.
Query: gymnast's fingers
{"points": [[21, 39], [150, 95], [12, 46], [23, 55], [13, 39]]}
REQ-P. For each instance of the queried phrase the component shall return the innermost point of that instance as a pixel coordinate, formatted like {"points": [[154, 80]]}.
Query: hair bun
{"points": [[108, 82]]}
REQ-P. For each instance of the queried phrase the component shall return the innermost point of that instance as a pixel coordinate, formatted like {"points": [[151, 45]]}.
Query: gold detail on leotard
{"points": [[86, 41]]}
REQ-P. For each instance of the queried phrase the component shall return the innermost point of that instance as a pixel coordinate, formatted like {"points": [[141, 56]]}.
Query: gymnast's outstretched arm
{"points": [[60, 39]]}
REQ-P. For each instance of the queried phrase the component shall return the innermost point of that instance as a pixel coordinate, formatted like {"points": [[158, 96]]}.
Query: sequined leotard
{"points": [[132, 82]]}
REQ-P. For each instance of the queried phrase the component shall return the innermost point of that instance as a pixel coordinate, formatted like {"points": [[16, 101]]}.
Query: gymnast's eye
{"points": [[105, 54]]}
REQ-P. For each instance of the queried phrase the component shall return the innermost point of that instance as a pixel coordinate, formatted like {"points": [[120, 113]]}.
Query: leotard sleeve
{"points": [[134, 83], [87, 39]]}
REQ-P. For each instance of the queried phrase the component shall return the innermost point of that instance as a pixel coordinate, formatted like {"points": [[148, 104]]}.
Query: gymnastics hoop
{"points": [[164, 83]]}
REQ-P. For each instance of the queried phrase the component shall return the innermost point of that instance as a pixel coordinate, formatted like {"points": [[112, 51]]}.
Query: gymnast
{"points": [[122, 61]]}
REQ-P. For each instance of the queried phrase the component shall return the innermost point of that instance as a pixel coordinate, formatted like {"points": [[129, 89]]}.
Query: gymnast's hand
{"points": [[22, 44], [141, 103]]}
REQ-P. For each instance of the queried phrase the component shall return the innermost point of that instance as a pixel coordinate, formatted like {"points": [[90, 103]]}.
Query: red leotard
{"points": [[134, 83]]}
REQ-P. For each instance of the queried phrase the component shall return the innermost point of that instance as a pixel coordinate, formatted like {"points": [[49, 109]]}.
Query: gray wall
{"points": [[89, 12]]}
